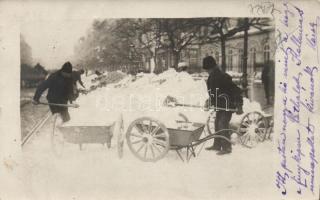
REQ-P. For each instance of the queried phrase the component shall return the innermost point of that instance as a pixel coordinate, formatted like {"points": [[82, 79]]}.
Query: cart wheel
{"points": [[120, 136], [120, 142], [120, 148], [252, 129], [148, 139], [210, 122], [57, 140]]}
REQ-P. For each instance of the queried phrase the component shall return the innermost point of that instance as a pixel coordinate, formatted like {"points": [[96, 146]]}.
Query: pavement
{"points": [[30, 114]]}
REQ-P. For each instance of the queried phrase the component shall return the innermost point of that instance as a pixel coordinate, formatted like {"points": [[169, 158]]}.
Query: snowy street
{"points": [[159, 87], [97, 171]]}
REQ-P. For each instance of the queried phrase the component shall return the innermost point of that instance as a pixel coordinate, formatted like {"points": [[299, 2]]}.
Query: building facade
{"points": [[261, 50]]}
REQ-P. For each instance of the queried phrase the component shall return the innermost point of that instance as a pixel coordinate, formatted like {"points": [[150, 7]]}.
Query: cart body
{"points": [[183, 137], [87, 134]]}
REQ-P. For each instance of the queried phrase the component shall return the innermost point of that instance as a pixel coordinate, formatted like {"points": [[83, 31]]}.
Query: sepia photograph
{"points": [[140, 108], [182, 100]]}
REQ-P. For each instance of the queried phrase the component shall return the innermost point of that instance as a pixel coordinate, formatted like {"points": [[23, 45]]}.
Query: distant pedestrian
{"points": [[98, 73], [223, 94], [76, 76], [60, 90], [267, 78]]}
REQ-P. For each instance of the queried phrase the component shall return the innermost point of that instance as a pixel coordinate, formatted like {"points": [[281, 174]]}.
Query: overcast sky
{"points": [[52, 42]]}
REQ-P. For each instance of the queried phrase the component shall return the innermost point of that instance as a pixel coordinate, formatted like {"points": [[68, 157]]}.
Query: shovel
{"points": [[61, 105], [210, 108], [172, 102]]}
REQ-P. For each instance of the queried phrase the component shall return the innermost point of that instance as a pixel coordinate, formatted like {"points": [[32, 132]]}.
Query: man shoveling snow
{"points": [[60, 91], [223, 93]]}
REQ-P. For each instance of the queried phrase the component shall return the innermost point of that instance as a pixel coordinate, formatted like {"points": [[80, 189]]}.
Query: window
{"points": [[217, 56], [190, 56], [266, 53], [193, 57], [183, 54], [230, 60], [252, 60], [240, 60]]}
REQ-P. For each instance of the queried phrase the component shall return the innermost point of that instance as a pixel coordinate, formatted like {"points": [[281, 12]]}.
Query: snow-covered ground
{"points": [[97, 173]]}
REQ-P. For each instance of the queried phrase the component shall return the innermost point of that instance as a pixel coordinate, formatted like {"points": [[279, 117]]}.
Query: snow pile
{"points": [[251, 106], [87, 80], [181, 85], [248, 106], [93, 81], [144, 95], [111, 77], [201, 75]]}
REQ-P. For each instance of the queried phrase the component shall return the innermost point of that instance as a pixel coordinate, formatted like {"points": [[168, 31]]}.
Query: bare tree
{"points": [[130, 42], [141, 36], [221, 29], [25, 52], [177, 34], [102, 47]]}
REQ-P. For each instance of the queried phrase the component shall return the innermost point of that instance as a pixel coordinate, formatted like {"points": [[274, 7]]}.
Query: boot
{"points": [[212, 148], [224, 151]]}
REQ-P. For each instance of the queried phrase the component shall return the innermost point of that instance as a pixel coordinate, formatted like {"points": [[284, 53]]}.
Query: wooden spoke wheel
{"points": [[148, 139], [120, 148], [120, 142], [57, 139], [210, 123], [252, 129]]}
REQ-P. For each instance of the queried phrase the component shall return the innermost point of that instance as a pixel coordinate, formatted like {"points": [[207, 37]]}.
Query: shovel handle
{"points": [[61, 105], [197, 106]]}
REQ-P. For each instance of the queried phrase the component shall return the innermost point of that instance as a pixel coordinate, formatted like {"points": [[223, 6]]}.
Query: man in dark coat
{"points": [[59, 85], [223, 95]]}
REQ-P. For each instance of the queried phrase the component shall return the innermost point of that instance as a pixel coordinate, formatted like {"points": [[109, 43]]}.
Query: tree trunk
{"points": [[245, 58], [223, 54], [152, 64], [176, 58]]}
